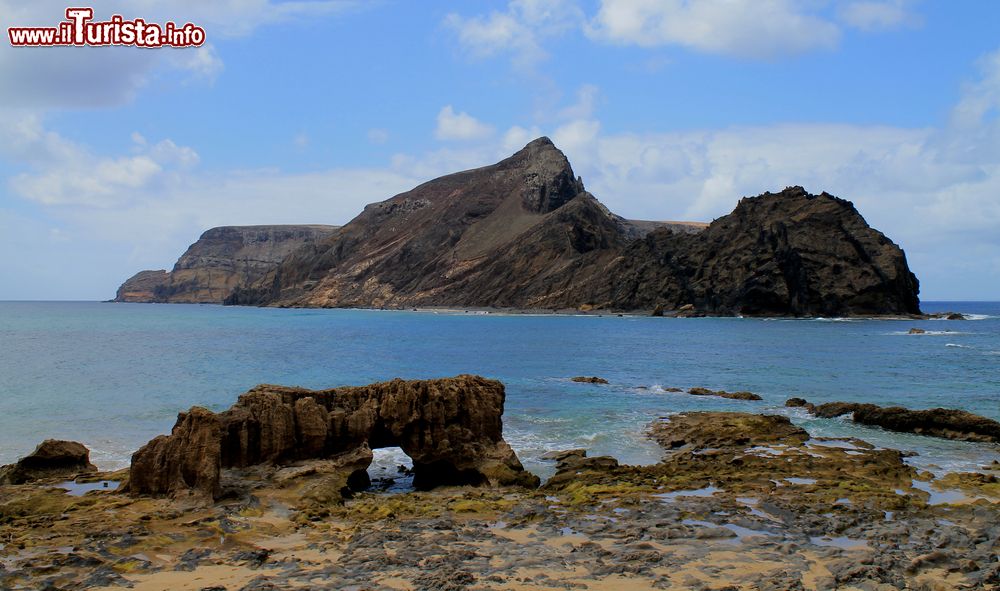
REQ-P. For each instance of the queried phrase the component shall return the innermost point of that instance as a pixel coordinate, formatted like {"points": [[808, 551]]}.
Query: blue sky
{"points": [[115, 159]]}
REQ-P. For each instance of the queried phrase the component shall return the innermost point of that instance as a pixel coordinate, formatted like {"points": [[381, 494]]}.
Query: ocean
{"points": [[113, 376]]}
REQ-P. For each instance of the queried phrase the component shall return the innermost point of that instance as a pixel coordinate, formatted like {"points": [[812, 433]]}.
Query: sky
{"points": [[115, 159]]}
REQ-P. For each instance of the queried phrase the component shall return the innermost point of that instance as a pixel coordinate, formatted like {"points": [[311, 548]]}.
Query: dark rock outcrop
{"points": [[741, 395], [451, 428], [589, 380], [524, 233], [947, 423], [51, 459], [222, 259], [778, 254], [704, 430]]}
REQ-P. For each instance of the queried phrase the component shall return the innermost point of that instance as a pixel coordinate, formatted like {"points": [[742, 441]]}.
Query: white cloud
{"points": [[587, 97], [517, 137], [870, 15], [460, 126], [980, 101], [378, 136], [518, 31], [743, 28], [110, 76], [202, 62], [64, 173]]}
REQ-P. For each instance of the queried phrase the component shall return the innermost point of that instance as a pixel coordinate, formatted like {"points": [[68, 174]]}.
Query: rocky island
{"points": [[525, 234]]}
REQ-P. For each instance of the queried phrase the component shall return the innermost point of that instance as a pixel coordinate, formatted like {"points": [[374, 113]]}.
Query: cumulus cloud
{"points": [[460, 126], [742, 28], [65, 173], [518, 31], [753, 29], [869, 15], [110, 76]]}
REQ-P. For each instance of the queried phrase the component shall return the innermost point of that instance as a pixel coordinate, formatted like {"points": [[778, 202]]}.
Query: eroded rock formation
{"points": [[947, 423], [451, 428], [51, 459], [222, 259]]}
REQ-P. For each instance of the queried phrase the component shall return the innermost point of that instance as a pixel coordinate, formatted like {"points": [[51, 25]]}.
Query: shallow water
{"points": [[114, 375], [78, 489]]}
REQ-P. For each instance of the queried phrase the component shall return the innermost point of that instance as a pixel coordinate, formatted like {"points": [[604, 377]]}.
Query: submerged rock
{"points": [[52, 458], [946, 423], [451, 428]]}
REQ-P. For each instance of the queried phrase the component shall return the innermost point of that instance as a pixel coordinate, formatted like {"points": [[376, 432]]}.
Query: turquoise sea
{"points": [[115, 375]]}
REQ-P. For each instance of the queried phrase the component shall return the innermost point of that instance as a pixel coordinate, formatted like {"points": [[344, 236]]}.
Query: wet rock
{"points": [[192, 558], [702, 430], [589, 380], [742, 395], [260, 584], [451, 428], [796, 402], [51, 459], [947, 423], [444, 579], [559, 456], [916, 331], [253, 558]]}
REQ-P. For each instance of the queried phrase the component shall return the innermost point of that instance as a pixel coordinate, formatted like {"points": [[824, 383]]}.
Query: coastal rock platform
{"points": [[739, 501]]}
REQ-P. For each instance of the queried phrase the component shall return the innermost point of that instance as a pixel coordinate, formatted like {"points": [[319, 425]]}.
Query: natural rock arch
{"points": [[451, 428]]}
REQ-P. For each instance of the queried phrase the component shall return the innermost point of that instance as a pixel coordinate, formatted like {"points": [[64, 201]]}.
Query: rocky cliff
{"points": [[524, 233], [223, 259]]}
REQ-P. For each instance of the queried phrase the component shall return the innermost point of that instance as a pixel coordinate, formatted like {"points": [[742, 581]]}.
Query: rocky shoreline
{"points": [[739, 501]]}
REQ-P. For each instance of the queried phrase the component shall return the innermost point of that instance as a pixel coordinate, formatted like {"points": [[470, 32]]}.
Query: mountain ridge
{"points": [[525, 233]]}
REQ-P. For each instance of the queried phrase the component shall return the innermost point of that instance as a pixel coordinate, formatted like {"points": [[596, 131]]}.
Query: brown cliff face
{"points": [[222, 259], [451, 428], [524, 233]]}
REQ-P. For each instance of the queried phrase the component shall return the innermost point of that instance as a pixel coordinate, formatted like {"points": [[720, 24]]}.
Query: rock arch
{"points": [[451, 428]]}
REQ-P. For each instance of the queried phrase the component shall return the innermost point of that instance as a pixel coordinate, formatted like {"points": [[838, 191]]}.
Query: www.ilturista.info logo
{"points": [[79, 28]]}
